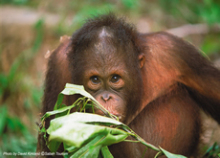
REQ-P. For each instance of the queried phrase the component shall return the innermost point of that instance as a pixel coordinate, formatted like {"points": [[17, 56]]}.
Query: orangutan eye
{"points": [[95, 79], [115, 78]]}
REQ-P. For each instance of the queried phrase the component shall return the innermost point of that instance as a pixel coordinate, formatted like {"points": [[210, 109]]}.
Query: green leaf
{"points": [[58, 111], [170, 155], [71, 89], [77, 128], [59, 101], [106, 153], [90, 149], [3, 81], [86, 118], [213, 150], [3, 118], [70, 149], [53, 145]]}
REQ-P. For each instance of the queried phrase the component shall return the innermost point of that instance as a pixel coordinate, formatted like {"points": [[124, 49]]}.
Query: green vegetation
{"points": [[88, 135], [17, 83], [15, 136]]}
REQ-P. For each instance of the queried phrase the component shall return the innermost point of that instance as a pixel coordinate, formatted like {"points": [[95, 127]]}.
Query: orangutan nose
{"points": [[105, 97]]}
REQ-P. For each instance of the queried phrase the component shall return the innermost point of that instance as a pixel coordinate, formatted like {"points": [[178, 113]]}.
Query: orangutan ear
{"points": [[141, 59]]}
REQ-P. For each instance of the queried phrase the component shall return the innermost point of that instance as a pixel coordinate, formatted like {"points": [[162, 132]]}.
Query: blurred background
{"points": [[31, 28]]}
